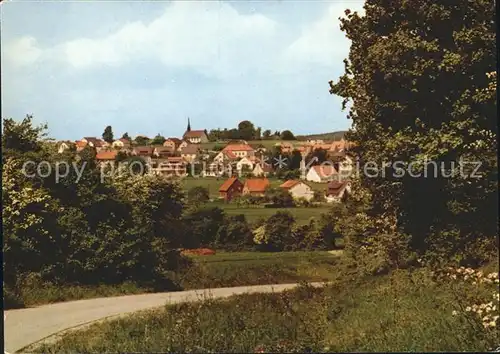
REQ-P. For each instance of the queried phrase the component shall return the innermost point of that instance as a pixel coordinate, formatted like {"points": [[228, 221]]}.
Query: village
{"points": [[244, 168]]}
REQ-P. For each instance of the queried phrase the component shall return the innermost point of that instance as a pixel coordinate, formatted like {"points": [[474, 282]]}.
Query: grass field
{"points": [[252, 214], [403, 311], [254, 268]]}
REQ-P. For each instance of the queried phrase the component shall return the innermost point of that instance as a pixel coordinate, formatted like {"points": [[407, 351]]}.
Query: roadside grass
{"points": [[402, 311], [36, 292], [225, 269]]}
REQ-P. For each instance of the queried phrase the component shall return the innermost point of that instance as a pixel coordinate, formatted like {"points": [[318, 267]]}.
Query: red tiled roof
{"points": [[238, 147], [230, 154], [80, 143], [161, 148], [106, 155], [322, 147], [95, 141], [257, 184], [267, 167], [290, 183], [325, 171], [335, 187], [227, 184], [176, 141], [144, 150], [194, 134], [191, 149], [175, 159]]}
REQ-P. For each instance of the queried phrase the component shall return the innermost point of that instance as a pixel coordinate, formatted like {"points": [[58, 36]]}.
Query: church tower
{"points": [[189, 126]]}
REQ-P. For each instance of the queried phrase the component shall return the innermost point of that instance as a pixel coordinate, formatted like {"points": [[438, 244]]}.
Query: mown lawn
{"points": [[402, 311]]}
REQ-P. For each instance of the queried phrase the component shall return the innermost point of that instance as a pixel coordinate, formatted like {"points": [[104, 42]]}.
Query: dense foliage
{"points": [[66, 225], [421, 79], [246, 130]]}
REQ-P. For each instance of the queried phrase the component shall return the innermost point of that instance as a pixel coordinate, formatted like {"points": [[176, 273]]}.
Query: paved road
{"points": [[27, 326]]}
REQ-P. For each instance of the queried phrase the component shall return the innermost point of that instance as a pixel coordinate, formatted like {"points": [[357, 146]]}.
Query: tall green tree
{"points": [[107, 135], [287, 135], [23, 136], [421, 79], [141, 140], [158, 140], [246, 130]]}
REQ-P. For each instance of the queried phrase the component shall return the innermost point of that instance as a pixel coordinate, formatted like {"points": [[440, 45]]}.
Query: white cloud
{"points": [[323, 42], [23, 51], [211, 37]]}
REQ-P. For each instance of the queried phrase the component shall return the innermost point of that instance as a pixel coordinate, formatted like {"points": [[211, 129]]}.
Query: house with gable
{"points": [[240, 150], [190, 152], [337, 191], [322, 173], [262, 169], [231, 188], [256, 186], [195, 136], [106, 156], [63, 146], [121, 144], [172, 143], [298, 189], [96, 143]]}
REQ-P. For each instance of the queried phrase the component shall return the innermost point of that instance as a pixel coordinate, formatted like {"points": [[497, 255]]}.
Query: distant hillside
{"points": [[324, 136]]}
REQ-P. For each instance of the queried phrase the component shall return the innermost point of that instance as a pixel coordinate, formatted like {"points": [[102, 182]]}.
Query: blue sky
{"points": [[144, 67]]}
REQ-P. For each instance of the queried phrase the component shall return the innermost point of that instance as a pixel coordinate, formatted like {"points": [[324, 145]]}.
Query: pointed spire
{"points": [[189, 126]]}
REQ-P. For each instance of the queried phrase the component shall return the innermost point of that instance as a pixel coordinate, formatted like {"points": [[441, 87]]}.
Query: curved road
{"points": [[24, 327]]}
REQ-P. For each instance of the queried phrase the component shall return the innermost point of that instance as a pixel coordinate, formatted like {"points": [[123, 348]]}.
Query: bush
{"points": [[201, 226], [198, 195], [234, 234], [277, 232]]}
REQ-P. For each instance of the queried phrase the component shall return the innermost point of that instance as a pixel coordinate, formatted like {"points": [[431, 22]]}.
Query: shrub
{"points": [[234, 233], [201, 226], [278, 235], [198, 195]]}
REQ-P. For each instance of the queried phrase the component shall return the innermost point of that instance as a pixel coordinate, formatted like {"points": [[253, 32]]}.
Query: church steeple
{"points": [[189, 126]]}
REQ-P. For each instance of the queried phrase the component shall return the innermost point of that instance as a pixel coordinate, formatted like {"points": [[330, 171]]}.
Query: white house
{"points": [[262, 169], [64, 145], [121, 144], [240, 150], [245, 162], [182, 145], [298, 189], [321, 173], [224, 156]]}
